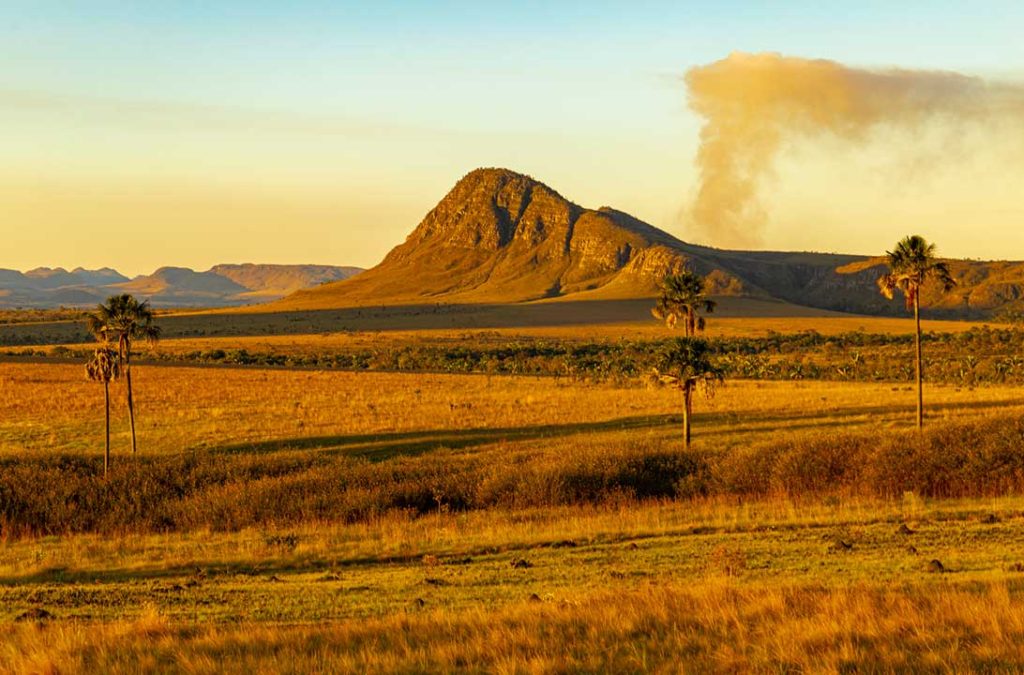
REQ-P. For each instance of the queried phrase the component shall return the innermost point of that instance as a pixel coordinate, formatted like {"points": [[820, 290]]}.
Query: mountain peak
{"points": [[502, 236], [45, 271], [485, 208], [496, 177]]}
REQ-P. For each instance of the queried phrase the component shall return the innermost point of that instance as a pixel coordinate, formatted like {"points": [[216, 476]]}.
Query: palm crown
{"points": [[123, 319], [911, 264], [687, 361], [682, 296]]}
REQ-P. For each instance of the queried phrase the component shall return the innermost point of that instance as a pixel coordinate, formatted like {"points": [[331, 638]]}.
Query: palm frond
{"points": [[104, 365], [940, 271], [887, 285], [911, 264]]}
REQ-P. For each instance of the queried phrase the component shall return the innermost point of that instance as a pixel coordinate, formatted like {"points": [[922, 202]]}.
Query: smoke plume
{"points": [[754, 104]]}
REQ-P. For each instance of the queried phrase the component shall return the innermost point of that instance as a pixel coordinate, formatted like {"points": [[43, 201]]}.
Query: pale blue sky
{"points": [[323, 131]]}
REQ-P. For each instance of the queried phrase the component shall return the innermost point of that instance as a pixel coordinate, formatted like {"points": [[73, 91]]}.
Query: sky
{"points": [[135, 135]]}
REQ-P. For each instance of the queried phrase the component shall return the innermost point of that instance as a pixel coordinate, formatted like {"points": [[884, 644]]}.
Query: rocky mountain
{"points": [[500, 236], [222, 285]]}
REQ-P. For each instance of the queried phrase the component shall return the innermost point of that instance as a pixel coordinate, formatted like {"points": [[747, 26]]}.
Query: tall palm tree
{"points": [[682, 297], [122, 320], [685, 363], [912, 264], [104, 367]]}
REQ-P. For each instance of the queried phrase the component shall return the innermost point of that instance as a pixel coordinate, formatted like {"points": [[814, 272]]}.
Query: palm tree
{"points": [[104, 367], [685, 363], [682, 297], [124, 319], [911, 265]]}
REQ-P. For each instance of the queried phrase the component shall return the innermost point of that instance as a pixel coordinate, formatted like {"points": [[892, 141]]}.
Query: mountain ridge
{"points": [[221, 286], [499, 236]]}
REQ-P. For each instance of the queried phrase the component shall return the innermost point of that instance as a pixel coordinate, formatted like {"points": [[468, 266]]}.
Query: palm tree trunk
{"points": [[917, 361], [128, 379], [687, 410], [106, 451]]}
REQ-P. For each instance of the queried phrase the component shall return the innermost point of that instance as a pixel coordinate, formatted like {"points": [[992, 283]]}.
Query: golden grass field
{"points": [[715, 584], [53, 408]]}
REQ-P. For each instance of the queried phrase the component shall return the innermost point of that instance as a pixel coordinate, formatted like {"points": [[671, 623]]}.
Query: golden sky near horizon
{"points": [[323, 133], [820, 194]]}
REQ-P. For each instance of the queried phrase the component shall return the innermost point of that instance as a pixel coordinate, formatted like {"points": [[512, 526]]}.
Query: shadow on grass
{"points": [[383, 446], [195, 573], [388, 445], [383, 318], [827, 417]]}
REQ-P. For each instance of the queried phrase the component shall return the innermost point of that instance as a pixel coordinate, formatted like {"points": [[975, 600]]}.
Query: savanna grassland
{"points": [[314, 519]]}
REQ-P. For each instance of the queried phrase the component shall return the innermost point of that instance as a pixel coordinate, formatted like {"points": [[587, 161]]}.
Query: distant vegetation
{"points": [[976, 356], [13, 316]]}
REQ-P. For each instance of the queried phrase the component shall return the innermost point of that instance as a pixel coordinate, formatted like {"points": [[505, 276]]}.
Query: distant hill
{"points": [[265, 282], [46, 277], [499, 236], [222, 285]]}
